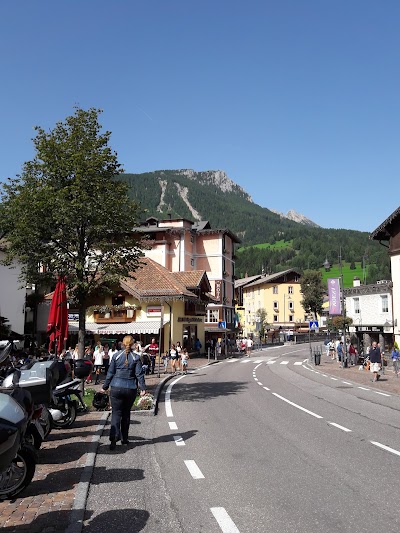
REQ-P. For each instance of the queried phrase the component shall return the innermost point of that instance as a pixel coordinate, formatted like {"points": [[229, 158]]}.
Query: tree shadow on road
{"points": [[140, 441], [201, 392]]}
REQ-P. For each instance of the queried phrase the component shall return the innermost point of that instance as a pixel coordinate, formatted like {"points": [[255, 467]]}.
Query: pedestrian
{"points": [[124, 373], [89, 355], [185, 359], [332, 351], [178, 348], [106, 357], [353, 354], [375, 360], [197, 346], [112, 351], [153, 352], [75, 353], [98, 360], [165, 362], [146, 363], [249, 345], [396, 359], [173, 356], [339, 351]]}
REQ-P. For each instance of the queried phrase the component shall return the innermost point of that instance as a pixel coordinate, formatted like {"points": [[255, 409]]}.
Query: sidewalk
{"points": [[46, 505], [388, 382]]}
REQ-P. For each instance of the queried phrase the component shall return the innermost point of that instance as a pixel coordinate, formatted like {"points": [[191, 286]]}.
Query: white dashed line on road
{"points": [[255, 379], [266, 388], [298, 363], [363, 388], [172, 425], [225, 522], [259, 383], [179, 440], [194, 470], [334, 379], [340, 427], [387, 448], [284, 362], [270, 362], [297, 406], [168, 406], [382, 393], [346, 383]]}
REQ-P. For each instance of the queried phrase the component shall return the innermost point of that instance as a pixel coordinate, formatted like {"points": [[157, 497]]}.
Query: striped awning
{"points": [[128, 328], [90, 327]]}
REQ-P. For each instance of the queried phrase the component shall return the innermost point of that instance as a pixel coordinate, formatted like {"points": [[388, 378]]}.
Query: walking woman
{"points": [[125, 368]]}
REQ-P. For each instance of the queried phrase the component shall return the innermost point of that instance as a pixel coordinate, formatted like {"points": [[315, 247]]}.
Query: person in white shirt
{"points": [[112, 351], [249, 344], [98, 360]]}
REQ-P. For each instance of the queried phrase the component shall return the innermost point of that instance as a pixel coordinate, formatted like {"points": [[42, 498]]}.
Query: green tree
{"points": [[67, 214], [262, 319], [313, 291], [336, 323]]}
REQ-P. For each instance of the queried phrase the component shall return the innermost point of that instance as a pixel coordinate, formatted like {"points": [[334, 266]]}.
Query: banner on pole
{"points": [[335, 307]]}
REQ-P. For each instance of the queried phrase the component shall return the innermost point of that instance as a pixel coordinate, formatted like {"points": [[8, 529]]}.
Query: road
{"points": [[260, 444]]}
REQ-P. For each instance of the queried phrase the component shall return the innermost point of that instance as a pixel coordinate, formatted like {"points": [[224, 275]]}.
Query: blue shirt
{"points": [[125, 376]]}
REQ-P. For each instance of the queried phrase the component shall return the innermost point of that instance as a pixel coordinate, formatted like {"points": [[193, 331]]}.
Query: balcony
{"points": [[114, 316]]}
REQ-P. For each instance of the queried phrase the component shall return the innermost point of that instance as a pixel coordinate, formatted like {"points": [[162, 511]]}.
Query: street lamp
{"points": [[327, 266]]}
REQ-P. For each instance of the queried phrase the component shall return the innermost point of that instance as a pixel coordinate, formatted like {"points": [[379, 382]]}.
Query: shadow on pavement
{"points": [[140, 441], [200, 392], [64, 480]]}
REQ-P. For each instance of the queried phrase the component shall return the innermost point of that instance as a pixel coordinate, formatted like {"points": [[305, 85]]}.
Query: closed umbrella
{"points": [[57, 325]]}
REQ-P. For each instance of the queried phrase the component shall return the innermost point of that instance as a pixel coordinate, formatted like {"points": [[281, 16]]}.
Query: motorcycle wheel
{"points": [[19, 474], [68, 419], [46, 421], [33, 439]]}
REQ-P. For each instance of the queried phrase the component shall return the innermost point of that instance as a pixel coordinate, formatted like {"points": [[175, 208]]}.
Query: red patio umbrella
{"points": [[57, 325]]}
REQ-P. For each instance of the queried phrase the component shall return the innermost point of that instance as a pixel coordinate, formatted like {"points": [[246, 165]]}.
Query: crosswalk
{"points": [[260, 361]]}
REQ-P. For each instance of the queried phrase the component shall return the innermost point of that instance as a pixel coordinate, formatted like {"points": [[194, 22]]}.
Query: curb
{"points": [[82, 489]]}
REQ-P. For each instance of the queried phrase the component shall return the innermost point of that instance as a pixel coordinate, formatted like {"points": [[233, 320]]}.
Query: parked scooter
{"points": [[17, 457]]}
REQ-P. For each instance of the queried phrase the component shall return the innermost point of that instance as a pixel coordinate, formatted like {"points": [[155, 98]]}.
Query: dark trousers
{"points": [[121, 402]]}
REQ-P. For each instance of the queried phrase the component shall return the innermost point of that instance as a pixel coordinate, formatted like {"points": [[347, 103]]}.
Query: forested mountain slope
{"points": [[213, 196]]}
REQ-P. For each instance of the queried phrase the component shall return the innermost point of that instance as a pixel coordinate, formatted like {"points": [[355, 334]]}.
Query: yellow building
{"points": [[278, 294]]}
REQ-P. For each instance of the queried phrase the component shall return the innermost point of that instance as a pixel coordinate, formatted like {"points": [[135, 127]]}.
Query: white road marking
{"points": [[298, 363], [255, 368], [325, 376], [168, 406], [305, 360], [270, 362], [346, 383], [225, 522], [259, 383], [172, 425], [179, 440], [258, 362], [363, 388], [256, 379], [340, 427], [382, 393], [245, 361], [391, 450], [232, 360], [334, 379], [297, 406], [194, 470], [284, 362], [266, 388]]}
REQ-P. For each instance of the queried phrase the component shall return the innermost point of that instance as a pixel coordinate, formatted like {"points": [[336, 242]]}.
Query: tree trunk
{"points": [[81, 332]]}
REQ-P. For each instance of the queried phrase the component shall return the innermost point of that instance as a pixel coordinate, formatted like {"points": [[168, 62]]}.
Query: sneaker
{"points": [[126, 442], [113, 445]]}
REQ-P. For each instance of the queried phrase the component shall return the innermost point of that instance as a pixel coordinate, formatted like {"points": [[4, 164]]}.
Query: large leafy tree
{"points": [[262, 320], [313, 291], [66, 214]]}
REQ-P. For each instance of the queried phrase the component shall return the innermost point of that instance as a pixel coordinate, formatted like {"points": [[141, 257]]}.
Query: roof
{"points": [[273, 277], [192, 279], [152, 280], [382, 232], [245, 281]]}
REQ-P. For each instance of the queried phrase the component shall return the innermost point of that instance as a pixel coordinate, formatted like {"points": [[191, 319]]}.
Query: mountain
{"points": [[297, 217], [213, 196]]}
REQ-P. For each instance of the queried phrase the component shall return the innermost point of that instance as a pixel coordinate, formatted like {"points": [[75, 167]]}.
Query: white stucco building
{"points": [[12, 297], [370, 308]]}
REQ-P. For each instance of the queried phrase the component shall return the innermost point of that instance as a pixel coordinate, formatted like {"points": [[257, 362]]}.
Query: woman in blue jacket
{"points": [[124, 374]]}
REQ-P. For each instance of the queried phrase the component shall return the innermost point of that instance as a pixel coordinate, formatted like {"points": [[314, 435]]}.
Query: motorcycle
{"points": [[17, 457]]}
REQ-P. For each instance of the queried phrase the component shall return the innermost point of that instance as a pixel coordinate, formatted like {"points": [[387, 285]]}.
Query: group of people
{"points": [[178, 357], [337, 351]]}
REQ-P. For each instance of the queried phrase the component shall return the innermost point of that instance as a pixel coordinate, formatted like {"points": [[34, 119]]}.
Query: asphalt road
{"points": [[260, 444]]}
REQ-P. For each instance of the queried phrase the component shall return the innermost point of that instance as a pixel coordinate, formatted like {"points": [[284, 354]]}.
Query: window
{"points": [[305, 318], [385, 304], [275, 318], [192, 262], [290, 318], [291, 305], [212, 315], [290, 289], [276, 305], [118, 299], [275, 289], [356, 302], [296, 279]]}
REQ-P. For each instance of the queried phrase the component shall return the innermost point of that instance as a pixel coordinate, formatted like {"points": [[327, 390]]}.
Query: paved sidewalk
{"points": [[388, 381]]}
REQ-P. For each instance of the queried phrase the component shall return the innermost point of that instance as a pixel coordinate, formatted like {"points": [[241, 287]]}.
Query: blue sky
{"points": [[297, 100]]}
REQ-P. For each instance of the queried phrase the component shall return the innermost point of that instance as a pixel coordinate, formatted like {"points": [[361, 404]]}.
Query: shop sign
{"points": [[153, 311], [218, 290], [73, 316], [189, 319], [369, 328]]}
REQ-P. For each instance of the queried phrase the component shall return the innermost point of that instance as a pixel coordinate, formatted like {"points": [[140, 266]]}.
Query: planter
{"points": [[129, 313], [107, 315]]}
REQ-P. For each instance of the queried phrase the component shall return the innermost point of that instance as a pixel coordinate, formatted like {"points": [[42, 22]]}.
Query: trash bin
{"points": [[317, 358]]}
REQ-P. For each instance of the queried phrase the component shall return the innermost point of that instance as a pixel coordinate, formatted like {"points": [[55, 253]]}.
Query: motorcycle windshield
{"points": [[10, 409]]}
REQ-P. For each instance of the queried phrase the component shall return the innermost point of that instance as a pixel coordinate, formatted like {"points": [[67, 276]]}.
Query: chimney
{"points": [[246, 275], [356, 281]]}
